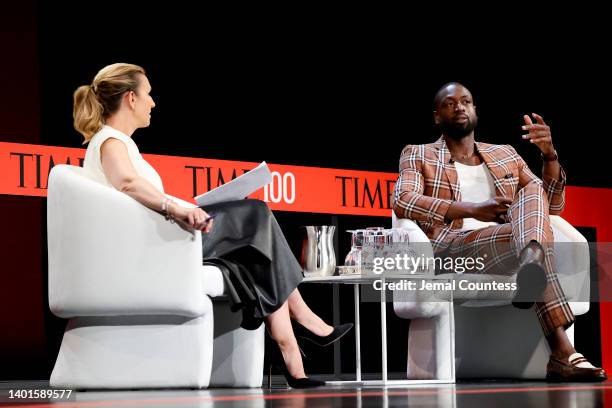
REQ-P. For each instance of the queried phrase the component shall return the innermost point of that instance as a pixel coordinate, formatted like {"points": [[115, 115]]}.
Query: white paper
{"points": [[238, 188]]}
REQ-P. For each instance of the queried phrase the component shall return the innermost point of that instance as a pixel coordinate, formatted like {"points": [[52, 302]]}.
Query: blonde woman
{"points": [[245, 241]]}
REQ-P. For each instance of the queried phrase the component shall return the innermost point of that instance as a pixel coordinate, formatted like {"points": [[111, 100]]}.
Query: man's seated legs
{"points": [[524, 241]]}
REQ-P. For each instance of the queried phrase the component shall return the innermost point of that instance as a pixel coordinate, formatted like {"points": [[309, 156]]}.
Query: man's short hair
{"points": [[439, 95]]}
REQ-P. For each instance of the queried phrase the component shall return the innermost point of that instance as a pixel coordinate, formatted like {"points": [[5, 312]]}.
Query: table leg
{"points": [[383, 329], [336, 321], [357, 333]]}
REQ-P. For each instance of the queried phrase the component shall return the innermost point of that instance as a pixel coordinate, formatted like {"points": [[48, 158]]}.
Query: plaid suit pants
{"points": [[528, 219]]}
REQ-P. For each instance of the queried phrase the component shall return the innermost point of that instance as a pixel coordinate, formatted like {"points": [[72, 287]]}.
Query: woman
{"points": [[260, 272]]}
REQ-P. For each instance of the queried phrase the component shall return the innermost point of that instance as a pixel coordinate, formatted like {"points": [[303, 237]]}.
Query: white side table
{"points": [[368, 279]]}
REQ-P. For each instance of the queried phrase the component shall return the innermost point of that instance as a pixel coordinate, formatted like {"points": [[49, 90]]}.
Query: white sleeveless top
{"points": [[476, 185], [93, 163]]}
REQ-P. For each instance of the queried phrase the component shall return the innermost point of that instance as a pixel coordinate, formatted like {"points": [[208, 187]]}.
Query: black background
{"points": [[343, 93]]}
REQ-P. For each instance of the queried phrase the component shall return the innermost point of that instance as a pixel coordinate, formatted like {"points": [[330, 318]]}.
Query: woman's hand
{"points": [[191, 218]]}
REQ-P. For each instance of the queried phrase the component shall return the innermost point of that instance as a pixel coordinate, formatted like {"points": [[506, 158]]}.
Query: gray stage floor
{"points": [[463, 394]]}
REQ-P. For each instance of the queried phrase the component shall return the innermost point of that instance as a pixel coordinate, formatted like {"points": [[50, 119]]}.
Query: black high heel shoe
{"points": [[321, 341], [276, 359]]}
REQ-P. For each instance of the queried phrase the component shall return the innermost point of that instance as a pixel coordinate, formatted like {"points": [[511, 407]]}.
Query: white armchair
{"points": [[476, 334], [135, 291]]}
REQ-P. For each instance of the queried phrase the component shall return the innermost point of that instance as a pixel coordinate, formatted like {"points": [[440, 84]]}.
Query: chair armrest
{"points": [[410, 304], [212, 281], [110, 255], [415, 234], [572, 260], [212, 277]]}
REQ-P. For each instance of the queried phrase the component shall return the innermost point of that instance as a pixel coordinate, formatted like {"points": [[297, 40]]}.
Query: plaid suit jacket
{"points": [[428, 184]]}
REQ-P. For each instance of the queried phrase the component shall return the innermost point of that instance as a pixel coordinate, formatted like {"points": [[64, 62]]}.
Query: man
{"points": [[471, 197]]}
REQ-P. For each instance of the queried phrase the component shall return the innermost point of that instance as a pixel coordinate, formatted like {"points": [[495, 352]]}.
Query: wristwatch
{"points": [[550, 157]]}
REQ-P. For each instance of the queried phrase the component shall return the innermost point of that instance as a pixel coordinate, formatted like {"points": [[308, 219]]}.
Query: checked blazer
{"points": [[428, 184]]}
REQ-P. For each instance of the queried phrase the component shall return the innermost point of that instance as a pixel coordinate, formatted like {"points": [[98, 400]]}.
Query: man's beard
{"points": [[456, 130]]}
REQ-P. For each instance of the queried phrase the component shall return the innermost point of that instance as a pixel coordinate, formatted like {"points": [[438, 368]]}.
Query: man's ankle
{"points": [[562, 354], [532, 251]]}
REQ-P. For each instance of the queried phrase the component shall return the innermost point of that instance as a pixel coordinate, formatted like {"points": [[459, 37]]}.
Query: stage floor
{"points": [[463, 394]]}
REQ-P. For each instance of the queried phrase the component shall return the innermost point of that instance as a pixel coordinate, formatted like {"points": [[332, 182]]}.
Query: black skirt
{"points": [[248, 246]]}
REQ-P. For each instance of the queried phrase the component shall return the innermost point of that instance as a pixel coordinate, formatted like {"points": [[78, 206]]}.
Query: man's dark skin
{"points": [[455, 115]]}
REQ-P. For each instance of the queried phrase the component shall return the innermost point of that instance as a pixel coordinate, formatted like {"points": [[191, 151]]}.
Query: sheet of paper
{"points": [[238, 188]]}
